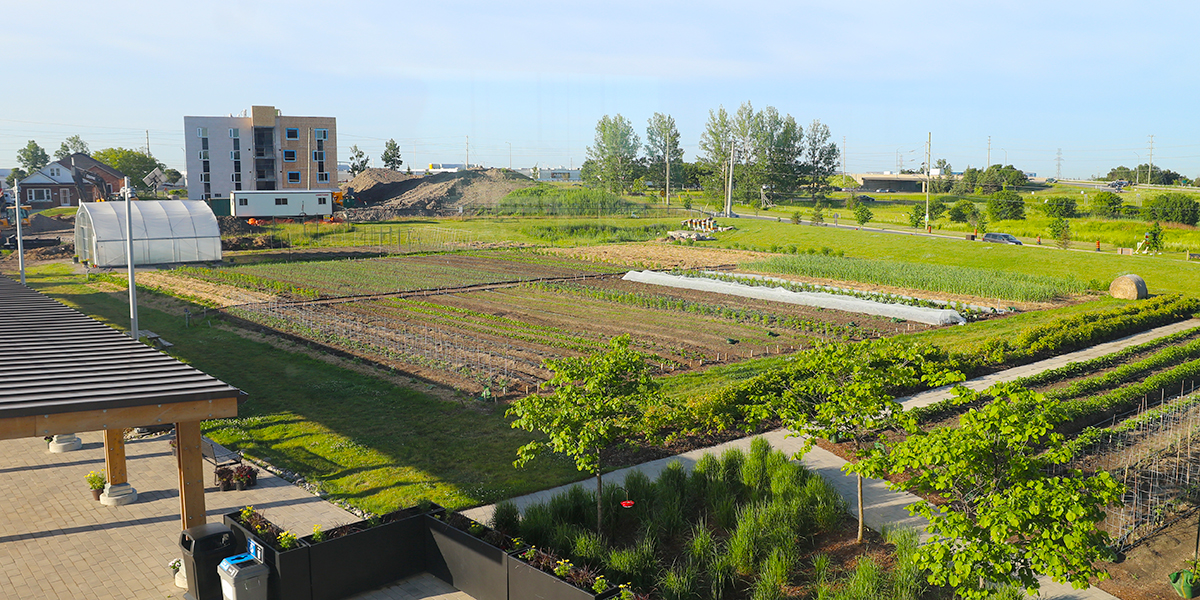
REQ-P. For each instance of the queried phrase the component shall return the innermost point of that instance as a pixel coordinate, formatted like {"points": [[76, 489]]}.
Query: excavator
{"points": [[9, 220]]}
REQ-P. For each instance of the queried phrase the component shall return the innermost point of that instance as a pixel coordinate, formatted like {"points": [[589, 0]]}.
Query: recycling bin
{"points": [[204, 547], [243, 578]]}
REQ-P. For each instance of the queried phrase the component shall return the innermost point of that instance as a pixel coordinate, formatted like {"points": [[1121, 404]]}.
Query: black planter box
{"points": [[466, 562], [290, 577], [527, 581], [367, 559]]}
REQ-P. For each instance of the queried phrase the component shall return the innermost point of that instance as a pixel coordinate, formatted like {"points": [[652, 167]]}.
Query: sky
{"points": [[527, 82]]}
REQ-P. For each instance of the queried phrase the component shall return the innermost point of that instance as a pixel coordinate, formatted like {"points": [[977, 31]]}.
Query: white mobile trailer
{"points": [[281, 203]]}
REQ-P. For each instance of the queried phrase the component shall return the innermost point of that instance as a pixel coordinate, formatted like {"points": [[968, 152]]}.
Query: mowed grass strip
{"points": [[364, 440], [983, 283]]}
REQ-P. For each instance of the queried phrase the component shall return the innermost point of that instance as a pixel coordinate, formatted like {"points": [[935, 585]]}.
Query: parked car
{"points": [[864, 198], [883, 191], [1001, 238]]}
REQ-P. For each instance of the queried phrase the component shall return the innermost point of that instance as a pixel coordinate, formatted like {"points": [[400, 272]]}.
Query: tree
{"points": [[597, 400], [32, 157], [1154, 238], [1060, 229], [1006, 205], [1106, 204], [818, 215], [916, 216], [841, 393], [820, 157], [715, 145], [614, 151], [1173, 207], [72, 145], [662, 150], [1060, 206], [999, 517], [15, 176], [963, 211], [133, 163], [391, 156], [862, 214], [358, 161], [173, 175]]}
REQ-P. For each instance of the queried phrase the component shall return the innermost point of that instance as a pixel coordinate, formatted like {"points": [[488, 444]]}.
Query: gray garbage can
{"points": [[243, 578], [204, 547]]}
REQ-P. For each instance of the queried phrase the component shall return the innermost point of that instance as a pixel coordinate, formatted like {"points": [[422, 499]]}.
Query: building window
{"points": [[293, 133], [235, 155], [281, 202], [321, 134], [289, 156], [39, 195], [322, 177], [204, 143], [318, 155], [202, 132], [204, 155], [234, 133], [293, 176], [237, 144], [236, 177], [205, 177], [237, 166], [321, 200], [243, 202]]}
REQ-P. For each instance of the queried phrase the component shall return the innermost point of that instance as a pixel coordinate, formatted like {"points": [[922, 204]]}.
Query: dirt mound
{"points": [[248, 242], [437, 194], [40, 224], [46, 253], [236, 226]]}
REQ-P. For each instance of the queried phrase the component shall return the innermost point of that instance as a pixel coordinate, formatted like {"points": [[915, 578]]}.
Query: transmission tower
{"points": [[1058, 168]]}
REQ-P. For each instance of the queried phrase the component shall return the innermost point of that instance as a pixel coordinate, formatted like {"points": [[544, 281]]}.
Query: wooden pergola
{"points": [[62, 372]]}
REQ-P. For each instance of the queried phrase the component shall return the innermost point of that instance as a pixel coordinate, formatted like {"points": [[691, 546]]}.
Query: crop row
{"points": [[497, 326], [740, 315], [800, 286], [1126, 373], [1091, 435], [1075, 369], [1126, 397], [248, 281], [970, 281], [1082, 330]]}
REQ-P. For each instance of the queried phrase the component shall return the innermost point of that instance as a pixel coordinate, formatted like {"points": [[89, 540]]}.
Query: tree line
{"points": [[763, 155], [134, 163]]}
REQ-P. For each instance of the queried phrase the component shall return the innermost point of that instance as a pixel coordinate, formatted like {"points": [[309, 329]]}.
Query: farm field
{"points": [[498, 338]]}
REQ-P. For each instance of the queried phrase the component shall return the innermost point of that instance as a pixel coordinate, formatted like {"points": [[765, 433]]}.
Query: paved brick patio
{"points": [[56, 542]]}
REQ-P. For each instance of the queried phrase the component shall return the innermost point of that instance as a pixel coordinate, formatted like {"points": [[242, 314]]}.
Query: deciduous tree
{"points": [[1006, 205], [1000, 517], [1106, 204], [133, 163], [862, 214], [614, 150], [72, 145], [597, 400], [32, 157], [359, 161], [662, 151], [821, 156]]}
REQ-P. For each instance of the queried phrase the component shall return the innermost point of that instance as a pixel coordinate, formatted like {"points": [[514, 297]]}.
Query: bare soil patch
{"points": [[390, 195]]}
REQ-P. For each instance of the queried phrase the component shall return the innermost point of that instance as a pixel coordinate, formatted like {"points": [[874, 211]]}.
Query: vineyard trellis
{"points": [[1155, 452]]}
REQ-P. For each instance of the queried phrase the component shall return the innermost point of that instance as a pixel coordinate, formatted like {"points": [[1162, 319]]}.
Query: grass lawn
{"points": [[373, 444]]}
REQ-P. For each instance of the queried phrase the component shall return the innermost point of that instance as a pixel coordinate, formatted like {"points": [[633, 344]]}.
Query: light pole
{"points": [[1005, 157], [1137, 171], [509, 155]]}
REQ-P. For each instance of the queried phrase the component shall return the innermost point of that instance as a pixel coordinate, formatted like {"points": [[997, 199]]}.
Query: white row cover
{"points": [[169, 231], [931, 316], [835, 290]]}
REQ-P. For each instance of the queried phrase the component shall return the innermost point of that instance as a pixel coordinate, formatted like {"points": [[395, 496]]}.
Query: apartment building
{"points": [[264, 150]]}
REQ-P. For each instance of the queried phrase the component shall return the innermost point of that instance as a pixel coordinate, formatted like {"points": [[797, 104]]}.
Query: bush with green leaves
{"points": [[1006, 205], [1106, 204], [1173, 207], [1060, 206]]}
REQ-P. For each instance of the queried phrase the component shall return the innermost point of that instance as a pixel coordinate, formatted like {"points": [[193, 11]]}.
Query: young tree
{"points": [[614, 151], [72, 145], [818, 215], [1000, 517], [133, 163], [1106, 204], [662, 149], [1154, 238], [821, 156], [597, 400], [863, 215], [358, 161], [391, 156], [962, 211], [32, 157], [916, 216], [715, 145], [1060, 230], [1006, 205], [173, 175], [17, 174], [841, 393]]}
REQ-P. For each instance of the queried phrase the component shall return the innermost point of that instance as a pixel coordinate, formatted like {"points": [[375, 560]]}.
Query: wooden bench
{"points": [[217, 455], [154, 339], [1191, 256]]}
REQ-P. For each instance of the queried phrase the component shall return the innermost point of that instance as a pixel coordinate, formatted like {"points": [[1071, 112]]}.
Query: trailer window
{"points": [[243, 202], [320, 201], [281, 202]]}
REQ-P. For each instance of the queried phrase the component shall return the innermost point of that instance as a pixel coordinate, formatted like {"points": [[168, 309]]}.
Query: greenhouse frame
{"points": [[167, 231]]}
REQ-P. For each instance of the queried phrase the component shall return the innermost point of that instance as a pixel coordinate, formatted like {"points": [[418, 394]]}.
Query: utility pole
{"points": [[928, 147], [20, 240], [989, 160], [1058, 167], [1150, 171], [133, 311], [147, 142]]}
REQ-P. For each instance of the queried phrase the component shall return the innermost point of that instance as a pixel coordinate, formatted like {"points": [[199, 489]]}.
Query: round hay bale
{"points": [[1129, 287]]}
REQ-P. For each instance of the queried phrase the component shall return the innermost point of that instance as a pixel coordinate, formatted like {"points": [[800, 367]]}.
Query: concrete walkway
{"points": [[982, 383]]}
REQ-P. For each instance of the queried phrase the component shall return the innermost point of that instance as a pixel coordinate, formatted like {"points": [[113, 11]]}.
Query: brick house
{"points": [[67, 181]]}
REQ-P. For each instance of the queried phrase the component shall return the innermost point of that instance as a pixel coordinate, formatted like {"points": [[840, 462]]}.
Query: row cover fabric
{"points": [[931, 316], [978, 307], [166, 231]]}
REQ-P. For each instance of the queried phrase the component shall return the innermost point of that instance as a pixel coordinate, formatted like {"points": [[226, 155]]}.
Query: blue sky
{"points": [[1094, 79]]}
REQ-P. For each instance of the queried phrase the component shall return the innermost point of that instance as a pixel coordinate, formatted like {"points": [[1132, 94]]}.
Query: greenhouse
{"points": [[170, 231]]}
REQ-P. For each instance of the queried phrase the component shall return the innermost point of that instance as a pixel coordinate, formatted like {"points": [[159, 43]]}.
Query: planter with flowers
{"points": [[245, 477], [223, 478], [283, 552], [96, 481]]}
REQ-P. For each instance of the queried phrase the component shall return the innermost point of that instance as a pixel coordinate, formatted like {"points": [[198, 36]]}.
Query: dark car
{"points": [[1001, 238], [864, 198]]}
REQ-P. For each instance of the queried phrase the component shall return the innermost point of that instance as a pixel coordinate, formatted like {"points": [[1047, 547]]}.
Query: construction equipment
{"points": [[9, 218], [344, 199]]}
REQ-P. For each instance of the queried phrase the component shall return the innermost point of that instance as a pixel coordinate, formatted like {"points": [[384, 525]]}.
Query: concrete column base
{"points": [[65, 443], [116, 495]]}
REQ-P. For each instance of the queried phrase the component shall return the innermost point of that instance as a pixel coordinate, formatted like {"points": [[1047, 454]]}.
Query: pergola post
{"points": [[191, 474], [117, 491], [65, 442]]}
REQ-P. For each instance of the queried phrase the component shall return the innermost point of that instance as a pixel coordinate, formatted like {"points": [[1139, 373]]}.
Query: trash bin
{"points": [[204, 547], [243, 578], [970, 237]]}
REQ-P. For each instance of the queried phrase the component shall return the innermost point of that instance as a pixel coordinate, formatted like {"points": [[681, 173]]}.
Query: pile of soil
{"points": [[236, 226], [384, 194], [250, 242], [46, 253], [42, 224]]}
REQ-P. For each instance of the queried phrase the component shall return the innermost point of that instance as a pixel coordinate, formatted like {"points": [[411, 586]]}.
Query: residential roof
{"points": [[85, 162], [57, 360]]}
